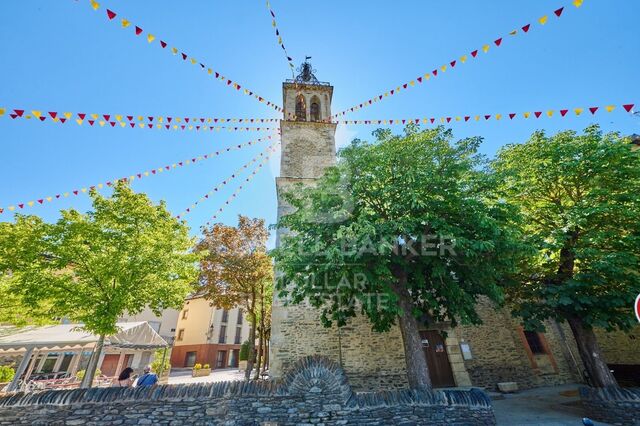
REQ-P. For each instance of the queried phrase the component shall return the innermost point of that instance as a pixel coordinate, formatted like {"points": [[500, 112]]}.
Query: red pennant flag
{"points": [[202, 120], [53, 114], [21, 206], [498, 42], [197, 127], [166, 126], [139, 175], [628, 107], [130, 117], [75, 192], [150, 125], [229, 82], [419, 81], [62, 120], [432, 120], [184, 56], [403, 121], [538, 114], [563, 112], [466, 118], [380, 97], [91, 122], [153, 171], [163, 44], [169, 119], [1, 210], [404, 86], [41, 201], [19, 112], [217, 75], [486, 117], [558, 12], [108, 183], [106, 117], [526, 28], [474, 53], [452, 63], [57, 195], [167, 167], [435, 73], [186, 119], [392, 92], [182, 127], [42, 118], [180, 163], [132, 125], [138, 30], [110, 14], [448, 119], [593, 110], [13, 116], [150, 118], [82, 115], [113, 123], [512, 115]]}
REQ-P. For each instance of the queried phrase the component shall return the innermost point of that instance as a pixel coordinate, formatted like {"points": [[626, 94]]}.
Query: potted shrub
{"points": [[199, 371], [6, 375], [243, 356]]}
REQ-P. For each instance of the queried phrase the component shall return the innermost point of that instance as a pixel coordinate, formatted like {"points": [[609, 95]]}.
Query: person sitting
{"points": [[124, 380], [148, 378]]}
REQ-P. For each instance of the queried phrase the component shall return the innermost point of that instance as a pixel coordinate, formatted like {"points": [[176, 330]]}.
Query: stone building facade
{"points": [[498, 350]]}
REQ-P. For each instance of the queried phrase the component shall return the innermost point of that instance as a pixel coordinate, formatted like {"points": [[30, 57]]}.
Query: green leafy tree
{"points": [[579, 198], [401, 230], [92, 268]]}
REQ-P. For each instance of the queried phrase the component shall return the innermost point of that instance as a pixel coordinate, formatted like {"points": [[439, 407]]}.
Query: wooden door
{"points": [[437, 359], [109, 365]]}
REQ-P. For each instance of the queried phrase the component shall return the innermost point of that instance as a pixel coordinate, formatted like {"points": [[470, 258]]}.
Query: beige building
{"points": [[164, 325], [499, 350], [207, 335]]}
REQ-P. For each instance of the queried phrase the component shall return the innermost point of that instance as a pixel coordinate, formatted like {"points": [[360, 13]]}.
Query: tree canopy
{"points": [[403, 229], [578, 196]]}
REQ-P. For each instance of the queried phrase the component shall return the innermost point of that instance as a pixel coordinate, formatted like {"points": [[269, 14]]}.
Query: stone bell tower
{"points": [[308, 148]]}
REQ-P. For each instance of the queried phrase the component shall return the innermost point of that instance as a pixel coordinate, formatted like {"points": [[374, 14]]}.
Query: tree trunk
{"points": [[252, 348], [597, 369], [261, 333], [417, 369], [90, 372], [256, 376]]}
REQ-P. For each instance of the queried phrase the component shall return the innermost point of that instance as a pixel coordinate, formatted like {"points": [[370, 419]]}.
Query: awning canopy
{"points": [[133, 335]]}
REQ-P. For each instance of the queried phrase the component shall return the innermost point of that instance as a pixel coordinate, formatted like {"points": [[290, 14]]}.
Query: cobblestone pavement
{"points": [[222, 375], [541, 406]]}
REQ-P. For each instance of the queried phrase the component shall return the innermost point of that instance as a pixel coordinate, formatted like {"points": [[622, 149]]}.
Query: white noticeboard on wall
{"points": [[466, 351]]}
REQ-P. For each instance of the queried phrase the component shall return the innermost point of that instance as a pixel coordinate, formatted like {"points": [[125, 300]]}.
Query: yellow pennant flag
{"points": [[132, 177], [174, 50], [12, 208], [485, 48], [442, 119], [159, 126], [279, 40], [84, 190], [477, 117], [427, 76], [463, 59], [514, 32], [498, 116], [100, 186], [49, 199], [30, 203], [577, 3], [411, 83], [550, 113], [209, 71], [79, 121], [543, 20], [94, 116], [141, 125], [609, 108], [95, 4], [122, 124], [125, 23], [175, 127], [457, 119], [424, 121], [193, 61], [527, 114], [2, 111], [140, 118], [36, 113], [578, 111], [66, 194], [67, 115], [118, 117], [273, 22], [443, 68], [150, 37], [386, 94], [101, 123], [146, 173], [55, 119]]}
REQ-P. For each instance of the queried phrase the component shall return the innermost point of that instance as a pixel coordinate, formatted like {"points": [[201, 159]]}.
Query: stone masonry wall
{"points": [[613, 406], [315, 391], [619, 347]]}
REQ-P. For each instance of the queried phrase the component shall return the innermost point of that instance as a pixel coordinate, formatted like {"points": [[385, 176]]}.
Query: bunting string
{"points": [[525, 29], [485, 117], [267, 152], [241, 186], [274, 24], [128, 121], [155, 40], [140, 175]]}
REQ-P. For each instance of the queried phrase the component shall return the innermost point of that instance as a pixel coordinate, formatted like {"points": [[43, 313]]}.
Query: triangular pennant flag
{"points": [[628, 107], [163, 44], [511, 115], [593, 110], [53, 114], [498, 42], [538, 114], [563, 112], [110, 14], [466, 118], [463, 59], [138, 30], [610, 108], [558, 12], [95, 4], [526, 28], [578, 111], [577, 3], [486, 48], [79, 121], [91, 122], [474, 53], [488, 116], [150, 38], [125, 23], [550, 113], [514, 32], [543, 20], [19, 112], [527, 114], [452, 63]]}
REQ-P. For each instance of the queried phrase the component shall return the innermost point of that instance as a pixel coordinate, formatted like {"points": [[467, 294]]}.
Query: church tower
{"points": [[308, 148]]}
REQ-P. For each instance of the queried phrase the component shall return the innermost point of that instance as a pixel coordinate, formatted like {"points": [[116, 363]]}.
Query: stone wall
{"points": [[315, 391], [619, 347], [614, 406]]}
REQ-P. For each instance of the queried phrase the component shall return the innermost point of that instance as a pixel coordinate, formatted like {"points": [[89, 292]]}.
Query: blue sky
{"points": [[63, 56]]}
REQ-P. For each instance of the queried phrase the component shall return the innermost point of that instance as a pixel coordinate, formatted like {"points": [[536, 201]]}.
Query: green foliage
{"points": [[92, 268], [206, 366], [371, 219], [197, 366], [80, 373], [244, 351], [157, 365], [6, 373], [579, 198]]}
